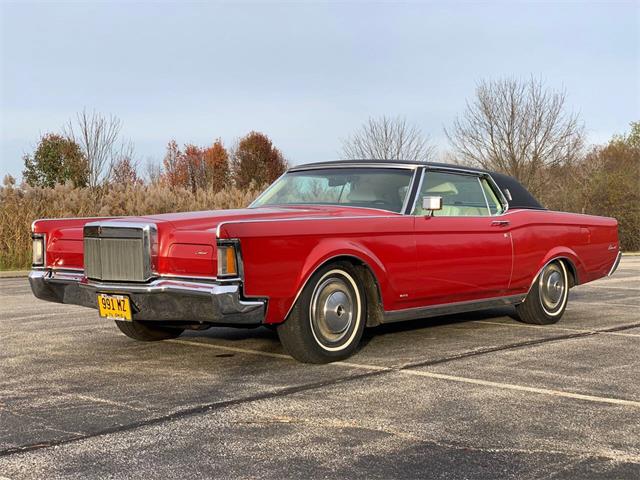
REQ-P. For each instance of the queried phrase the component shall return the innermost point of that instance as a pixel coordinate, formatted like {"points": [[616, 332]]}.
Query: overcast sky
{"points": [[306, 74]]}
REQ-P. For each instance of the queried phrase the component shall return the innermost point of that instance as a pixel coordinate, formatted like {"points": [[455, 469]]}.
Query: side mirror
{"points": [[432, 204]]}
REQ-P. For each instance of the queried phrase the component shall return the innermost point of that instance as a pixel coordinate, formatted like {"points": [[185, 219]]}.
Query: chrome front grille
{"points": [[118, 251]]}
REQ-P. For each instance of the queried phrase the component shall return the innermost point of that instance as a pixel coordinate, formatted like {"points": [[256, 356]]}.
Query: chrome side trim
{"points": [[301, 219], [449, 308], [615, 265]]}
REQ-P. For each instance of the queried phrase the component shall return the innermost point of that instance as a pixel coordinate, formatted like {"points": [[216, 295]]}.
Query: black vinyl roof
{"points": [[515, 193]]}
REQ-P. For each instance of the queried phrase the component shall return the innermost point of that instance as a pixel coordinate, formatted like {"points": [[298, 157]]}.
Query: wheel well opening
{"points": [[375, 310], [571, 271]]}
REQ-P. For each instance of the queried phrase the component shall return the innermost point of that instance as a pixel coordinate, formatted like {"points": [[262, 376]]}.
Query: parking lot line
{"points": [[41, 315], [522, 388], [602, 304], [551, 327], [607, 287], [439, 376]]}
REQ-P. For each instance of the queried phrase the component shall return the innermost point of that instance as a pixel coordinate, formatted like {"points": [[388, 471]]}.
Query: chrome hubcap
{"points": [[552, 287], [332, 310]]}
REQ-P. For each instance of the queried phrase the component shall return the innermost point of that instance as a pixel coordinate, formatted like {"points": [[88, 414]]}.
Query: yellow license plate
{"points": [[115, 307]]}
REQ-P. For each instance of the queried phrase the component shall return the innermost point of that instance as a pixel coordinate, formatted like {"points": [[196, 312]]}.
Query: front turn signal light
{"points": [[227, 260], [38, 252]]}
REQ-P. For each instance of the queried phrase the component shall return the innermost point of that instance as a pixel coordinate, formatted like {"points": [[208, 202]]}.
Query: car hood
{"points": [[210, 219]]}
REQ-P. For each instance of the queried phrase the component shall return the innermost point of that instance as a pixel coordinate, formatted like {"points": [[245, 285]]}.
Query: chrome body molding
{"points": [[450, 308], [160, 300], [300, 219], [614, 267]]}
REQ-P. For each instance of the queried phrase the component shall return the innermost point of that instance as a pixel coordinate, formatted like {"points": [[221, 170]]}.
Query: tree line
{"points": [[519, 127], [90, 153]]}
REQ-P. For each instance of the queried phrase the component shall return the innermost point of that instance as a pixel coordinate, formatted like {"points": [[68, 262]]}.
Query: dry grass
{"points": [[20, 206]]}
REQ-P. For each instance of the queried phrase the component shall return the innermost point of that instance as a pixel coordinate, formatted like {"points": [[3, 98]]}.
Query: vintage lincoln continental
{"points": [[327, 250]]}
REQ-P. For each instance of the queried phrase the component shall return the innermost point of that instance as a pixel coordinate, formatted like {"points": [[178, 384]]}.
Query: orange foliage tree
{"points": [[195, 167], [255, 159], [124, 172]]}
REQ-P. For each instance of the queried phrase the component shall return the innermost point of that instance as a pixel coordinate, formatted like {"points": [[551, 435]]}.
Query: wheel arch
{"points": [[366, 274], [570, 261]]}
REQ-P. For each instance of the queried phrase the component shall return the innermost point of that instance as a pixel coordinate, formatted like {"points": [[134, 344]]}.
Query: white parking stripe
{"points": [[608, 287], [550, 327], [601, 304], [439, 376], [27, 317], [522, 388]]}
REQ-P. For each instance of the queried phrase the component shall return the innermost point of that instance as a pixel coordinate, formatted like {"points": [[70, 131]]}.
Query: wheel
{"points": [[548, 296], [147, 333], [327, 321]]}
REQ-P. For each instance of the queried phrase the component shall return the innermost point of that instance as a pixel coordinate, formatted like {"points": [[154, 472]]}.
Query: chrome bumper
{"points": [[162, 299], [614, 267]]}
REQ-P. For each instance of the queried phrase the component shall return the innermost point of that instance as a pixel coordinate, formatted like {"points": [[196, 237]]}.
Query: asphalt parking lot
{"points": [[468, 396]]}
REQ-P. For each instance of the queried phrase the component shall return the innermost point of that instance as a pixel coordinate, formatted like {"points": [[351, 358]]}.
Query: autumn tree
{"points": [[609, 180], [217, 169], [387, 138], [125, 172], [256, 160], [195, 167], [174, 173], [519, 128], [56, 160]]}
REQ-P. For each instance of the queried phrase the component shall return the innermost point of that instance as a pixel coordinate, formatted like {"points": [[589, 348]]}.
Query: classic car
{"points": [[327, 250]]}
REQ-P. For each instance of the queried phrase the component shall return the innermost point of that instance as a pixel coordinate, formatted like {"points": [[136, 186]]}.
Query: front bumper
{"points": [[162, 299]]}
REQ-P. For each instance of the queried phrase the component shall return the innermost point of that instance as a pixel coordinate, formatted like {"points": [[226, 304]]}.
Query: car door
{"points": [[464, 251]]}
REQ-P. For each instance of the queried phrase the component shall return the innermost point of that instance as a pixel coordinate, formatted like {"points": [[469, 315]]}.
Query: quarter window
{"points": [[462, 195]]}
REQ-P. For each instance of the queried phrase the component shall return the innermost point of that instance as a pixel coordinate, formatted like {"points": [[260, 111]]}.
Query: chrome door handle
{"points": [[500, 223]]}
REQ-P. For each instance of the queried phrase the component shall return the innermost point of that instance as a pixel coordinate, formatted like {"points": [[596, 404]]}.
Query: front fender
{"points": [[330, 249]]}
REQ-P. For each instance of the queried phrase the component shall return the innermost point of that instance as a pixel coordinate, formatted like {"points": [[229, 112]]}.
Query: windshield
{"points": [[383, 188]]}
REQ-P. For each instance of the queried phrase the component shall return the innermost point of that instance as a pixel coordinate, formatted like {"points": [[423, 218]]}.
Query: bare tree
{"points": [[387, 138], [99, 139], [153, 172], [518, 128]]}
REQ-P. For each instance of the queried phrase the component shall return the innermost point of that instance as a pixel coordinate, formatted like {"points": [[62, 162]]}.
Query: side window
{"points": [[462, 195], [495, 206]]}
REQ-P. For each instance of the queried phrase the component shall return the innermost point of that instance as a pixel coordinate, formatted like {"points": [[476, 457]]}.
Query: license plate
{"points": [[115, 307]]}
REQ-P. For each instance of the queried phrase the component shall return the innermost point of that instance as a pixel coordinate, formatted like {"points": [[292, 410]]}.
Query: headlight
{"points": [[38, 251], [227, 260]]}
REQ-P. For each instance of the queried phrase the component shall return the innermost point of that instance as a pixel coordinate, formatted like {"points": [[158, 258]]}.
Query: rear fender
{"points": [[576, 265]]}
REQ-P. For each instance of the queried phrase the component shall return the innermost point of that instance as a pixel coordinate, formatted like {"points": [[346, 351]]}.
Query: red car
{"points": [[327, 250]]}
